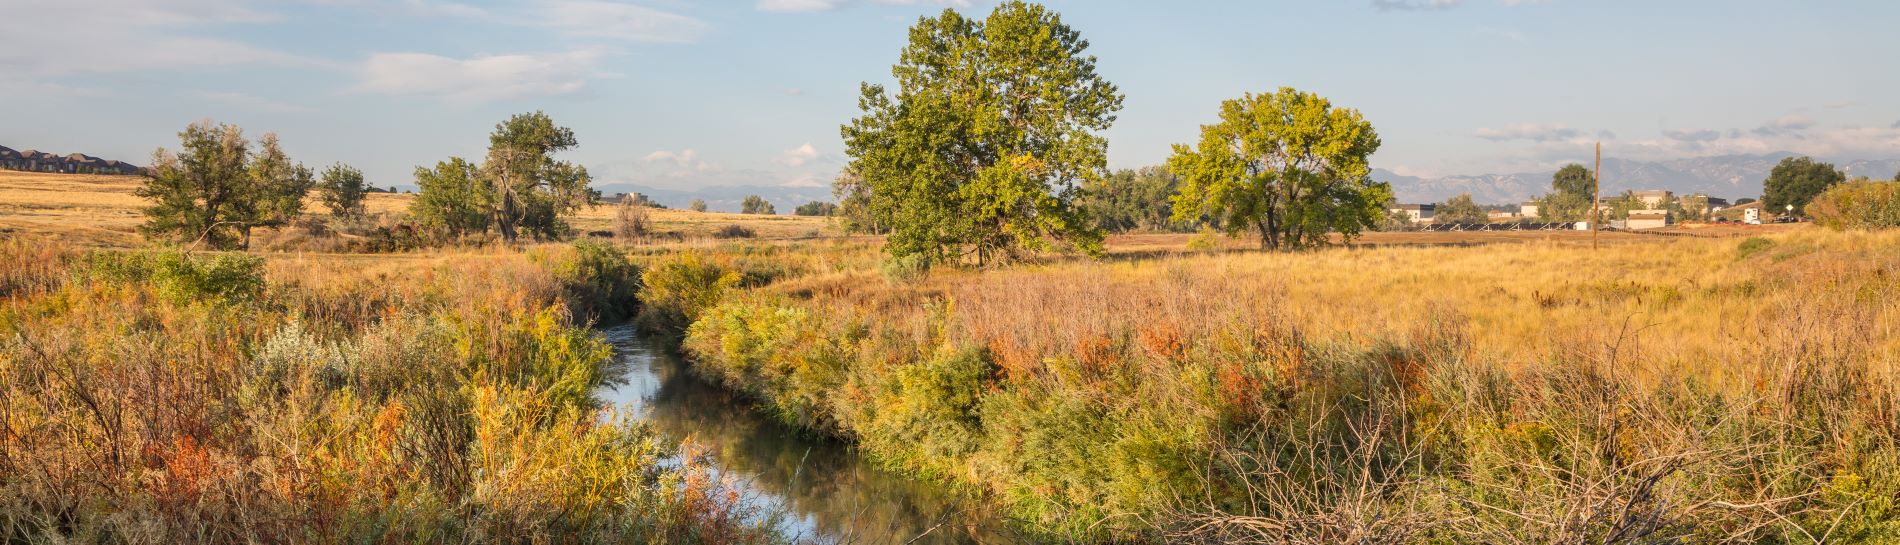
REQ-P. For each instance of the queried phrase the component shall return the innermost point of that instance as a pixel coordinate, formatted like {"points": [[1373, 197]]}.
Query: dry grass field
{"points": [[1699, 384], [102, 211]]}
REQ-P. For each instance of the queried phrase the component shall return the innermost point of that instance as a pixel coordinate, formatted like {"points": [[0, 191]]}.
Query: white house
{"points": [[1419, 213]]}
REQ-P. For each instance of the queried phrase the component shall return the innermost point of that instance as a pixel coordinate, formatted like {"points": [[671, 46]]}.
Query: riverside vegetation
{"points": [[1706, 391], [1689, 390], [166, 397], [1660, 390]]}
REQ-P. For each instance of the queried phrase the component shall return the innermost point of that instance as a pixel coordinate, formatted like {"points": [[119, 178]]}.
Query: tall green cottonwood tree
{"points": [[1287, 165], [519, 188], [1795, 181], [1573, 188], [216, 189], [981, 150], [453, 198], [343, 190], [532, 190]]}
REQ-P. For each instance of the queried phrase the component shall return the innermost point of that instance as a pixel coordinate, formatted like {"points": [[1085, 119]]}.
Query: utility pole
{"points": [[1596, 182]]}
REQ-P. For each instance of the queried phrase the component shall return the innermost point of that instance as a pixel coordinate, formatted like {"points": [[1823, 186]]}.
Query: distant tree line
{"points": [[219, 186]]}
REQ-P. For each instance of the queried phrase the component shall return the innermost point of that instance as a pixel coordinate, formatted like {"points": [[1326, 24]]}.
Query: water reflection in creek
{"points": [[826, 491]]}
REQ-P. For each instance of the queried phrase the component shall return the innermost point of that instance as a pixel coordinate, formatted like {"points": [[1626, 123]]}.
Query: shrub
{"points": [[678, 289], [734, 231], [1752, 246], [630, 220], [906, 268], [1858, 205], [185, 278], [600, 282], [1204, 241]]}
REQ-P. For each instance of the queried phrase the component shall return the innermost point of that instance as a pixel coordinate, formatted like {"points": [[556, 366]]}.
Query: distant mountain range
{"points": [[73, 163], [1726, 176]]}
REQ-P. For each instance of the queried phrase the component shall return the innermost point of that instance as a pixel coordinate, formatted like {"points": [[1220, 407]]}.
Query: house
{"points": [[1528, 209], [1418, 213], [74, 163], [1654, 199], [1648, 219], [1700, 204]]}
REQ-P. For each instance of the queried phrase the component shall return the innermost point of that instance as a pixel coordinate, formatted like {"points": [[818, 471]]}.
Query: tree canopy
{"points": [[216, 188], [1131, 199], [815, 208], [1796, 181], [1573, 188], [698, 205], [453, 197], [980, 150], [343, 191], [518, 189], [754, 204], [1286, 164], [533, 190], [1460, 209]]}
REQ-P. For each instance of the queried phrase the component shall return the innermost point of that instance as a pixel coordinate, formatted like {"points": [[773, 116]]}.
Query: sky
{"points": [[681, 95]]}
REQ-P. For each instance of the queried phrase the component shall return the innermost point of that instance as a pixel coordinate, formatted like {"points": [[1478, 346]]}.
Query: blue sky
{"points": [[680, 94]]}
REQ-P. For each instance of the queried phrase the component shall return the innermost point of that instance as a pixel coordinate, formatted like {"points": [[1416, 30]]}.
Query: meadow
{"points": [[1727, 385], [1735, 390], [169, 397], [102, 211]]}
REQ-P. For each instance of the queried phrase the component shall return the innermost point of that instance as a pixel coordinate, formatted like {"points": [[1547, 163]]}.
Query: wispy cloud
{"points": [[620, 21], [254, 103], [683, 160], [1705, 135], [1785, 126], [1414, 5], [478, 79], [42, 41], [805, 6], [799, 156], [1529, 132]]}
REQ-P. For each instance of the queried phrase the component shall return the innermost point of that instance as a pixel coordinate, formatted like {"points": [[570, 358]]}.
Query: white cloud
{"points": [[808, 180], [254, 103], [478, 79], [1530, 132], [597, 19], [1414, 5], [1704, 135], [799, 156], [1847, 142], [1787, 125], [792, 6], [806, 6], [621, 21], [41, 40], [686, 160]]}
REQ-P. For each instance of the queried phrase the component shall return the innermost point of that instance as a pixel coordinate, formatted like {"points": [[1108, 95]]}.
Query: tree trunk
{"points": [[1267, 239]]}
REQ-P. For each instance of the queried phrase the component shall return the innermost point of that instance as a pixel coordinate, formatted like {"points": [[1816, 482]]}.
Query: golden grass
{"points": [[103, 211]]}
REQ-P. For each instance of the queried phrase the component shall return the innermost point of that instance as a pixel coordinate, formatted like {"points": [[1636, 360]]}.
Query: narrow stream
{"points": [[827, 493]]}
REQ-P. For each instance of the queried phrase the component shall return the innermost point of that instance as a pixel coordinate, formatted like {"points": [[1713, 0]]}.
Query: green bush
{"points": [[185, 278], [679, 288], [734, 231], [600, 281], [906, 268], [1752, 246], [1858, 205]]}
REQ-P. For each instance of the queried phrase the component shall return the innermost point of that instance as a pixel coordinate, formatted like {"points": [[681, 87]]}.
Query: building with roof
{"points": [[1648, 219], [1418, 213]]}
